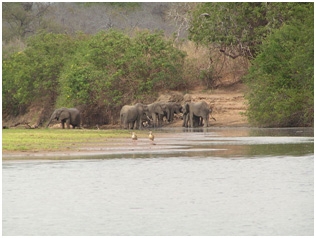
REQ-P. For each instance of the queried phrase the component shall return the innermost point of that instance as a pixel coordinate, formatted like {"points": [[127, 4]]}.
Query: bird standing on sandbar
{"points": [[134, 136], [151, 137]]}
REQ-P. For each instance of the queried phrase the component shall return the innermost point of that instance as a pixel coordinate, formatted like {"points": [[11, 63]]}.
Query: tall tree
{"points": [[20, 19], [238, 28], [281, 78]]}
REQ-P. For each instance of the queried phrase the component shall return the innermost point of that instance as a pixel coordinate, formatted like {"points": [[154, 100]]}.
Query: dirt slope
{"points": [[227, 103]]}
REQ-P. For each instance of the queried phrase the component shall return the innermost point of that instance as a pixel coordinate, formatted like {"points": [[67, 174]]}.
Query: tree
{"points": [[99, 73], [21, 19], [32, 75], [281, 78], [237, 29]]}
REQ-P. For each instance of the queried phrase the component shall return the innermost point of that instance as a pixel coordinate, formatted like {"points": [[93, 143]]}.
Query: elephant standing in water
{"points": [[70, 116], [193, 110], [131, 115]]}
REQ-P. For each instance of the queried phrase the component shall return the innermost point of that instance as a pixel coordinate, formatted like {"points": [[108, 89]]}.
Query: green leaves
{"points": [[281, 79], [108, 69], [241, 26], [278, 37]]}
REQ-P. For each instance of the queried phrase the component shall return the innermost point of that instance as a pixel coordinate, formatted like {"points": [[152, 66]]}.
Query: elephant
{"points": [[172, 108], [70, 116], [130, 115], [169, 109], [198, 109], [155, 110]]}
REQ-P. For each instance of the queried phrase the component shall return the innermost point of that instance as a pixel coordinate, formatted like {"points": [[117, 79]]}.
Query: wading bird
{"points": [[134, 136], [151, 137]]}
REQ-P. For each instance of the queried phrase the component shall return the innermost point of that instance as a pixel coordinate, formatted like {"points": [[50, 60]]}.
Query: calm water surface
{"points": [[212, 182]]}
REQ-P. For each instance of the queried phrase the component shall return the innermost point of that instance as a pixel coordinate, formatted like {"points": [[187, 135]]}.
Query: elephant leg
{"points": [[139, 122], [63, 124], [154, 119], [160, 119], [130, 125], [125, 123], [185, 121], [171, 116], [205, 121], [196, 121], [68, 123], [191, 120]]}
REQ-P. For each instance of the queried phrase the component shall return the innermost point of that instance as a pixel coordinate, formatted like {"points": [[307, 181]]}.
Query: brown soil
{"points": [[228, 104]]}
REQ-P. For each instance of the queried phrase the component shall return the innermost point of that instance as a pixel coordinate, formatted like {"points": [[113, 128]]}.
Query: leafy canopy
{"points": [[281, 78], [237, 29], [106, 70]]}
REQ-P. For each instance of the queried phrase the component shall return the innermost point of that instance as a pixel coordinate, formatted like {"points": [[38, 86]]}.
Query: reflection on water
{"points": [[214, 182]]}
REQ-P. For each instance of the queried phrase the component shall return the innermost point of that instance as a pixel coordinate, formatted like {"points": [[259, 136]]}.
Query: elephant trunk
{"points": [[48, 123], [50, 120]]}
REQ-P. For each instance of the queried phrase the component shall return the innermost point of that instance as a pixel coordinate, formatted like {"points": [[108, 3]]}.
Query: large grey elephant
{"points": [[70, 116], [193, 110], [131, 115], [155, 110]]}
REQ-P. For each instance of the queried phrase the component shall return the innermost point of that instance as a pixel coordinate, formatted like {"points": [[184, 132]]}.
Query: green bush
{"points": [[32, 75], [103, 71], [281, 79]]}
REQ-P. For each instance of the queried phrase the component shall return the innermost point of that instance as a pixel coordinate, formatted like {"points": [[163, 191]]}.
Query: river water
{"points": [[216, 181]]}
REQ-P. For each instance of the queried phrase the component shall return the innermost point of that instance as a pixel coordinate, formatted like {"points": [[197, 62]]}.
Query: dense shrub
{"points": [[32, 75], [99, 72], [281, 79]]}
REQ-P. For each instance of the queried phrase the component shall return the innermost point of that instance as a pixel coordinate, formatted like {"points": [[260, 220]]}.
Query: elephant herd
{"points": [[139, 115]]}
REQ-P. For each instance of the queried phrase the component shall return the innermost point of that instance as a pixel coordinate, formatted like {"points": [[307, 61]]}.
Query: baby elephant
{"points": [[70, 116]]}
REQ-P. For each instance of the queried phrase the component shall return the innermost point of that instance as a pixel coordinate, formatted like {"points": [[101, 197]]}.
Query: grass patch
{"points": [[55, 139]]}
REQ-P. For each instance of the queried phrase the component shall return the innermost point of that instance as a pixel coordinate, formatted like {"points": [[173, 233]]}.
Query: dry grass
{"points": [[209, 68]]}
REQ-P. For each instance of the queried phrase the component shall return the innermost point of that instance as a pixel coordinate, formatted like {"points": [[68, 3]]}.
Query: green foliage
{"points": [[281, 79], [112, 69], [33, 74], [239, 28], [105, 70]]}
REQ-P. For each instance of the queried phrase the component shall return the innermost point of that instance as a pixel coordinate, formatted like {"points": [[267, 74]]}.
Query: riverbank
{"points": [[220, 141], [228, 105]]}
